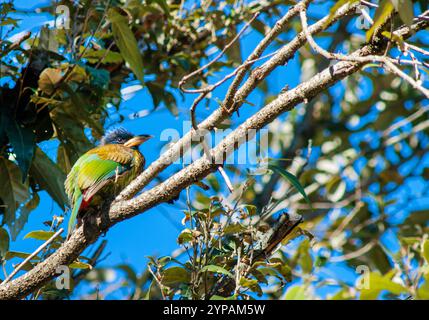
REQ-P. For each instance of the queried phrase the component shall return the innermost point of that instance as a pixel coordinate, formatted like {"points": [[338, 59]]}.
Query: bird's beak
{"points": [[137, 140]]}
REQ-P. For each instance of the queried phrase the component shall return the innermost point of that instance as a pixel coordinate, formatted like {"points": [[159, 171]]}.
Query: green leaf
{"points": [[378, 283], [24, 213], [423, 290], [16, 254], [170, 103], [47, 39], [163, 4], [305, 260], [268, 271], [8, 21], [409, 240], [153, 292], [250, 208], [216, 297], [99, 78], [336, 189], [23, 142], [94, 56], [49, 177], [155, 91], [425, 250], [259, 276], [233, 228], [12, 191], [283, 269], [63, 160], [405, 10], [4, 242], [252, 284], [126, 42], [383, 12], [80, 265], [296, 292], [417, 217], [292, 179], [163, 261], [335, 7], [185, 236], [159, 94], [79, 113], [260, 26], [41, 235], [395, 37], [49, 79], [175, 276], [424, 5], [342, 294], [216, 269]]}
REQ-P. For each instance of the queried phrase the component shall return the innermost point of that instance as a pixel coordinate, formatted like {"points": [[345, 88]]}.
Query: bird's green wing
{"points": [[91, 172], [95, 171]]}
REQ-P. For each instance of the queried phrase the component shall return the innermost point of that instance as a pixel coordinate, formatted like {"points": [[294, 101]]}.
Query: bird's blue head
{"points": [[123, 136]]}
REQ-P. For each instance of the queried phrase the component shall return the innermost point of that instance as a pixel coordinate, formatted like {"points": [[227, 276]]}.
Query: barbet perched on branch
{"points": [[104, 171]]}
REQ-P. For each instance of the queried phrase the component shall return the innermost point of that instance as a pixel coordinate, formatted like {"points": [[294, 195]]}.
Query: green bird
{"points": [[104, 171]]}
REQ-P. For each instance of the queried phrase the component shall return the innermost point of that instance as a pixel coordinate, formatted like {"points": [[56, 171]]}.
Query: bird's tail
{"points": [[76, 206]]}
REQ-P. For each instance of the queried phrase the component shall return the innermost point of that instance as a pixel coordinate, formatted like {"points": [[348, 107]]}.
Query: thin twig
{"points": [[194, 107], [418, 128], [347, 220], [354, 58], [230, 96], [200, 70], [415, 48], [226, 178], [423, 16], [366, 15], [405, 121], [355, 254], [206, 90], [369, 4], [31, 256], [161, 287], [17, 43]]}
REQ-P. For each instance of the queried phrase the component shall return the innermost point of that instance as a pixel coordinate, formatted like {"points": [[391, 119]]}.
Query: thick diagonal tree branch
{"points": [[118, 211]]}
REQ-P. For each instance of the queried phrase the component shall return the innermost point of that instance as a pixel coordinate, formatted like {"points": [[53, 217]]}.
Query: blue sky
{"points": [[151, 233], [155, 232]]}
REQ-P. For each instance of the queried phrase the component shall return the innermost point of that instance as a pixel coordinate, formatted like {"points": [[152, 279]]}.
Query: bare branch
{"points": [[272, 34], [226, 178], [185, 79], [355, 254], [405, 121], [353, 58]]}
